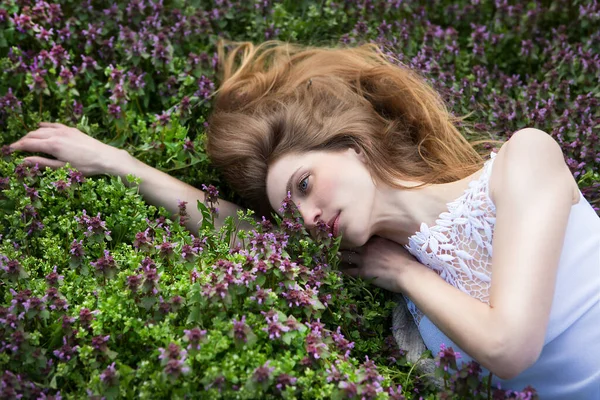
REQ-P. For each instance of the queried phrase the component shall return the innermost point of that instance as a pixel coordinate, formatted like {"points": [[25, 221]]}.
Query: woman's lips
{"points": [[335, 226]]}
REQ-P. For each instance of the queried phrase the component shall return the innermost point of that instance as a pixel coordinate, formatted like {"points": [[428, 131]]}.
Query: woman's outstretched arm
{"points": [[93, 157]]}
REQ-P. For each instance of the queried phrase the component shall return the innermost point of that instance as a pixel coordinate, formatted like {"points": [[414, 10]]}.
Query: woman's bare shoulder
{"points": [[527, 137]]}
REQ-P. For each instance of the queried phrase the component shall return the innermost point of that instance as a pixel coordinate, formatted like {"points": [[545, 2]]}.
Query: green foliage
{"points": [[102, 295]]}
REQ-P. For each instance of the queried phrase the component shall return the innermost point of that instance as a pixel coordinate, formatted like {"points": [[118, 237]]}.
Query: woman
{"points": [[368, 148]]}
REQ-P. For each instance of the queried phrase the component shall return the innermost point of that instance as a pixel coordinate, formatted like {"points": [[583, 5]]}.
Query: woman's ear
{"points": [[358, 151]]}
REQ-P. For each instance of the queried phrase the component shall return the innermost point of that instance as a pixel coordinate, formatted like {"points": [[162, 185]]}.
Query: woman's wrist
{"points": [[410, 273], [119, 163]]}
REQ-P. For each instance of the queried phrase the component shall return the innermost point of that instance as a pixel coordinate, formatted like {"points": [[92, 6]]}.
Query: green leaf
{"points": [[195, 315], [207, 218]]}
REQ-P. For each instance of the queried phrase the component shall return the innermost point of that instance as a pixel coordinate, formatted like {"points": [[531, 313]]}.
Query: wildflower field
{"points": [[105, 296]]}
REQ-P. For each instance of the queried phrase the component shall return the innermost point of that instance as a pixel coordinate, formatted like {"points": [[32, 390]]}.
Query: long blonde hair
{"points": [[278, 98]]}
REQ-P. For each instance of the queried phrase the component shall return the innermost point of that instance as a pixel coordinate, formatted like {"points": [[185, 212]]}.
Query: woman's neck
{"points": [[399, 213]]}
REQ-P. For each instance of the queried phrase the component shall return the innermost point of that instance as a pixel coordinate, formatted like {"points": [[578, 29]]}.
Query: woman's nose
{"points": [[311, 215]]}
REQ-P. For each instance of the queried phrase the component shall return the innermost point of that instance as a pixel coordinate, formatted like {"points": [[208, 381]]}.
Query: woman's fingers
{"points": [[351, 271], [31, 144], [41, 133], [52, 125], [44, 162], [351, 258]]}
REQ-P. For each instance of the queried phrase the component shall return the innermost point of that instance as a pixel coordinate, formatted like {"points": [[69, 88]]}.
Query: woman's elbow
{"points": [[511, 359]]}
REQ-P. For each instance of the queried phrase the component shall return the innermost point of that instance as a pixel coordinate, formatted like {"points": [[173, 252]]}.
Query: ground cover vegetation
{"points": [[105, 296]]}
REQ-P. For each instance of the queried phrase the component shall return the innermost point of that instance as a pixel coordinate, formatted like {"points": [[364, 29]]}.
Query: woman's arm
{"points": [[93, 157], [163, 190], [532, 192]]}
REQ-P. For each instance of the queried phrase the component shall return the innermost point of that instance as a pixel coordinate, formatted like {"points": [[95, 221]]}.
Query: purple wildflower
{"points": [[447, 358], [143, 240], [205, 88], [211, 198], [263, 373], [92, 226], [77, 249], [22, 22], [99, 343], [240, 329], [61, 185], [114, 110], [134, 282], [261, 295], [165, 249], [65, 77], [66, 352], [274, 327], [348, 388], [110, 376], [194, 337], [395, 393], [173, 359], [52, 278], [75, 177], [85, 317], [105, 266], [285, 380], [13, 270]]}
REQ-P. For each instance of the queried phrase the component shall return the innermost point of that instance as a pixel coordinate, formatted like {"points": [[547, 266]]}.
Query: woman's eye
{"points": [[303, 185]]}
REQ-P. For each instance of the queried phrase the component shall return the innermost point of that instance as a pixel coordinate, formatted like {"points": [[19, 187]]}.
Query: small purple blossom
{"points": [[194, 336], [205, 88], [66, 352], [110, 376], [61, 185], [134, 282], [75, 177], [92, 226], [99, 343], [348, 388], [240, 329], [165, 249], [263, 373], [114, 110], [211, 198], [105, 266], [261, 295], [85, 317], [284, 380], [447, 358], [173, 359], [76, 249], [53, 278]]}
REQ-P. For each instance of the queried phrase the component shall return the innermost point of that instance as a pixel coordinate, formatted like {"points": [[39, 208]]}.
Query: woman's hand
{"points": [[86, 154], [384, 260]]}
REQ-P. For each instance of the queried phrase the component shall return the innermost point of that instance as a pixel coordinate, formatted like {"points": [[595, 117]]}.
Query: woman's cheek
{"points": [[324, 191]]}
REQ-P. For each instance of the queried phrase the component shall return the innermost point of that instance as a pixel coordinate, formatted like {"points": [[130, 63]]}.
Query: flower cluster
{"points": [[173, 359], [93, 227]]}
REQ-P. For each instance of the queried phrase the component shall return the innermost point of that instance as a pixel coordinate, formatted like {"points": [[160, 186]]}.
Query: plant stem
{"points": [[22, 122], [40, 98]]}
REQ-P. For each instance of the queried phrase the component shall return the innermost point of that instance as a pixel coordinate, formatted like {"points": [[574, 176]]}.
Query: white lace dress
{"points": [[459, 249]]}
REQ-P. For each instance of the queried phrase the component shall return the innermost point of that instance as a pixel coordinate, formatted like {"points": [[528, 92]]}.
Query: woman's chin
{"points": [[349, 244]]}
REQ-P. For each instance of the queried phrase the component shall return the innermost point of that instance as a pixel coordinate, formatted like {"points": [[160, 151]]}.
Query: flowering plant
{"points": [[104, 296]]}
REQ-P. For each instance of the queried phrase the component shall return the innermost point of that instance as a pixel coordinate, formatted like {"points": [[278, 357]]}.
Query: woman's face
{"points": [[332, 186]]}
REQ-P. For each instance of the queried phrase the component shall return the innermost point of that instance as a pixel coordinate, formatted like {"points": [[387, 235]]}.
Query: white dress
{"points": [[459, 248]]}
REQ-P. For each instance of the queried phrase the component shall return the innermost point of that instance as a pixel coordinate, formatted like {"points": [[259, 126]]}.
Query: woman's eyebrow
{"points": [[288, 187]]}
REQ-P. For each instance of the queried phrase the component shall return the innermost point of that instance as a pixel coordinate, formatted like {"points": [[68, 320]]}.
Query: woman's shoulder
{"points": [[524, 146]]}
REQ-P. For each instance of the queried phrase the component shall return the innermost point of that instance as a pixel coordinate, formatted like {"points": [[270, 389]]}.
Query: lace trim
{"points": [[459, 246]]}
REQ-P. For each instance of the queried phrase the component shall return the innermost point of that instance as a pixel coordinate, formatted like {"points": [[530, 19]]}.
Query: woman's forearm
{"points": [[163, 190], [468, 322]]}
